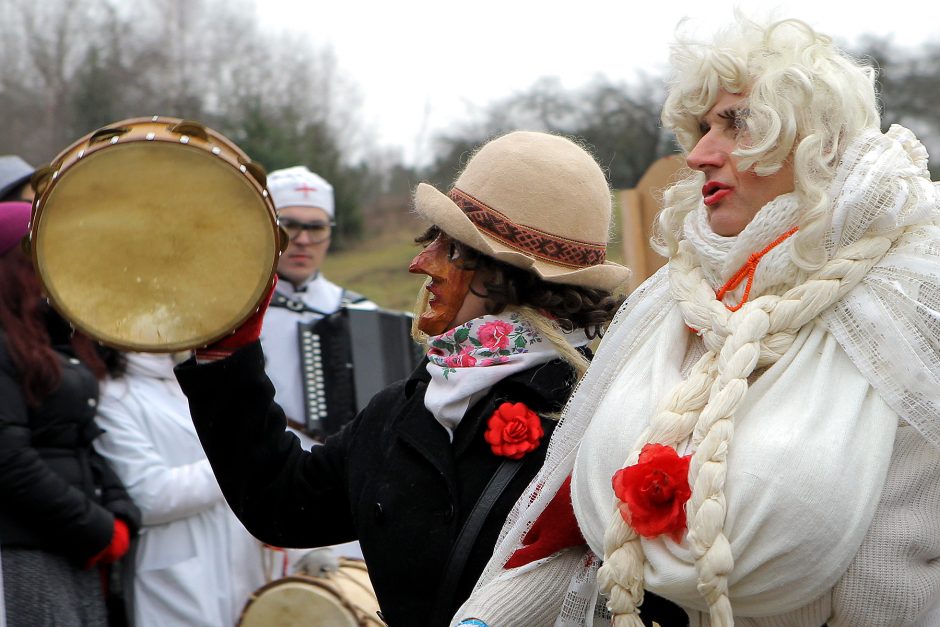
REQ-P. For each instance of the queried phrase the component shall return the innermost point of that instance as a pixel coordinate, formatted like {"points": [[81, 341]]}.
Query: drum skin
{"points": [[154, 235], [341, 598]]}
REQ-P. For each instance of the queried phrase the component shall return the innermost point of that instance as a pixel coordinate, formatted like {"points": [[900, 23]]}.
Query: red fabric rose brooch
{"points": [[653, 492], [513, 430]]}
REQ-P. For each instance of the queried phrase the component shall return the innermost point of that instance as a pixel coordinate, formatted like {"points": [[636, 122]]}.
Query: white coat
{"points": [[194, 563]]}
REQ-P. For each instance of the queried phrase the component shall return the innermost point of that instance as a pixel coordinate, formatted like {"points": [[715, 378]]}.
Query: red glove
{"points": [[248, 332], [555, 529], [120, 542]]}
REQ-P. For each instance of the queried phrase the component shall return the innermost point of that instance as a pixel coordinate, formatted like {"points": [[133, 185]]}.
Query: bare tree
{"points": [[617, 122], [67, 68], [44, 43], [909, 88]]}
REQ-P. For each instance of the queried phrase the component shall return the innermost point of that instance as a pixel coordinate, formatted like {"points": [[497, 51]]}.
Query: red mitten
{"points": [[248, 332], [555, 529], [120, 542]]}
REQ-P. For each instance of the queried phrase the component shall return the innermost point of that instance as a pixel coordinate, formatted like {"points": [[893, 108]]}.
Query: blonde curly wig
{"points": [[806, 98]]}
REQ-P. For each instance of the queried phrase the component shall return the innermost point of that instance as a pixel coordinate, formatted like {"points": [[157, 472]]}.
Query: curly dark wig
{"points": [[572, 306]]}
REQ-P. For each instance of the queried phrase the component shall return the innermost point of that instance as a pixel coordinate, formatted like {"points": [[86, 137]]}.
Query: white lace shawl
{"points": [[888, 325]]}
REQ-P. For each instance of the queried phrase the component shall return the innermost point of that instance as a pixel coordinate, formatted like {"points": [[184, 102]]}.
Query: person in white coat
{"points": [[194, 564], [305, 209]]}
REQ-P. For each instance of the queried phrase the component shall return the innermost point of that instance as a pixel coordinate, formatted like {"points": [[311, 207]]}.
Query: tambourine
{"points": [[340, 598], [154, 235]]}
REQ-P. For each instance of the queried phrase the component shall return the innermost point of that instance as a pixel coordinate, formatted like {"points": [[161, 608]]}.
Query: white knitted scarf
{"points": [[720, 257]]}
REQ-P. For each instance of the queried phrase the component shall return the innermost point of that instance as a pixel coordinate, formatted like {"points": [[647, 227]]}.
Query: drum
{"points": [[340, 598], [154, 235]]}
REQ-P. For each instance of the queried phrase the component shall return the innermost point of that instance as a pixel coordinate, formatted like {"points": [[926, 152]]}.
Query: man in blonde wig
{"points": [[758, 437]]}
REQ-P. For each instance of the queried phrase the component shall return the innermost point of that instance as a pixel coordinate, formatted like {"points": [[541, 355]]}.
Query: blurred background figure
{"points": [[14, 175], [194, 563], [305, 209], [14, 179], [65, 513]]}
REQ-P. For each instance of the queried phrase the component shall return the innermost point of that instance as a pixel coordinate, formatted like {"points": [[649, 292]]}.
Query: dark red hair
{"points": [[21, 317]]}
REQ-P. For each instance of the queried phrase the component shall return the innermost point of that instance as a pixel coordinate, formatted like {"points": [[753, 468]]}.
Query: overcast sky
{"points": [[422, 64]]}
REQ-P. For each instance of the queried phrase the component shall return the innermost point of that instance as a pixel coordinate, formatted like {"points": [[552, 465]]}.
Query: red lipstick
{"points": [[713, 192]]}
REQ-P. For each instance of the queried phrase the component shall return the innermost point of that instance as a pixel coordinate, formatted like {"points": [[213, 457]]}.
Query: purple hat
{"points": [[14, 224]]}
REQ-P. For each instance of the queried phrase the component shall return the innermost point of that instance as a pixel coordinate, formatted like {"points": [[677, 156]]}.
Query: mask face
{"points": [[449, 285]]}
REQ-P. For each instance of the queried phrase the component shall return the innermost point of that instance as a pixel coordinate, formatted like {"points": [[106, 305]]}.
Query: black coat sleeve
{"points": [[284, 495]]}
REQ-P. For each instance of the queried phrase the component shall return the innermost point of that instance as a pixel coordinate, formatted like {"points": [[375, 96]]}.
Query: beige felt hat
{"points": [[535, 201]]}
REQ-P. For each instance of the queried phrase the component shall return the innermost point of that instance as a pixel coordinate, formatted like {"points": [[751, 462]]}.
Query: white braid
{"points": [[704, 404], [713, 433]]}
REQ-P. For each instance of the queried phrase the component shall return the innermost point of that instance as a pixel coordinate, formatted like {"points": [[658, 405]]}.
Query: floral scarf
{"points": [[466, 361]]}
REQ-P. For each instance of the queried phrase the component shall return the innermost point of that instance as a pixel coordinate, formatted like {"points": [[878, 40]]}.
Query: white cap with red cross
{"points": [[299, 187]]}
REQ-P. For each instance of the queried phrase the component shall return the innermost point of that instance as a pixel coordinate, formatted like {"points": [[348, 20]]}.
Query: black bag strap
{"points": [[279, 300], [350, 297], [467, 537], [347, 297]]}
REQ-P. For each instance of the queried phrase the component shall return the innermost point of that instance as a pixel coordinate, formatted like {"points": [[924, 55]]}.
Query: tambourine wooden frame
{"points": [[164, 131]]}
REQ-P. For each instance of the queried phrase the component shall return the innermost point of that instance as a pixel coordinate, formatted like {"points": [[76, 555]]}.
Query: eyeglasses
{"points": [[317, 231]]}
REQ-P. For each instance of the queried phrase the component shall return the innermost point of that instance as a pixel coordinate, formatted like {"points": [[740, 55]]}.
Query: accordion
{"points": [[347, 357]]}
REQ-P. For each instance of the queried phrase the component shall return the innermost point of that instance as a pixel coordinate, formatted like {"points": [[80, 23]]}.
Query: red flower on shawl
{"points": [[513, 430], [463, 359], [653, 492], [494, 335]]}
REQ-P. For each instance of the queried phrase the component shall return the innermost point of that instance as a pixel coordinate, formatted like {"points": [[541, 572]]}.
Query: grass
{"points": [[377, 268]]}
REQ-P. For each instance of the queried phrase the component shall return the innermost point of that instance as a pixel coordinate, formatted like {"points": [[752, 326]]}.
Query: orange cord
{"points": [[748, 270]]}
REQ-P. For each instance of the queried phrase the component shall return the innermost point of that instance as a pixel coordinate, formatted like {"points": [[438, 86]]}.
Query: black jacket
{"points": [[58, 494], [391, 478]]}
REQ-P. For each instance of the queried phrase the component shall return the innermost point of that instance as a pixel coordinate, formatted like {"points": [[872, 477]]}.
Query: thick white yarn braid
{"points": [[704, 404]]}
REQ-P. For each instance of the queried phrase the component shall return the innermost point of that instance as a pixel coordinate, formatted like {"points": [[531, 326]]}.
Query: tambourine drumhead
{"points": [[295, 601], [154, 245], [342, 598]]}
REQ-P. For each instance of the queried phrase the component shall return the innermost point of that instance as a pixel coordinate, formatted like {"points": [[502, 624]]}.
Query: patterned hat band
{"points": [[539, 244]]}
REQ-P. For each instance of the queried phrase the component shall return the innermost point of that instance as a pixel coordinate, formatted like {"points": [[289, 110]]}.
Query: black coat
{"points": [[391, 478], [58, 494]]}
